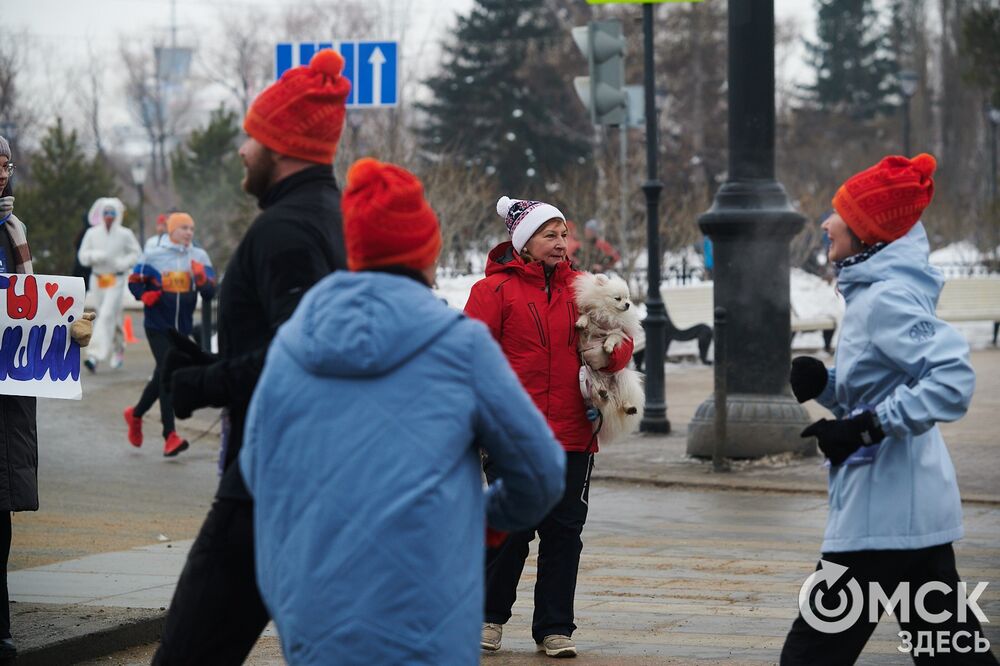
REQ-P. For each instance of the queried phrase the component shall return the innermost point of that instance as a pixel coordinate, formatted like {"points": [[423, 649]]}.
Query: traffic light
{"points": [[603, 92]]}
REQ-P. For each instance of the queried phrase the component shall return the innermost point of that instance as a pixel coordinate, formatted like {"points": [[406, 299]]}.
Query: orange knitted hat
{"points": [[177, 219], [302, 113], [883, 202], [387, 221]]}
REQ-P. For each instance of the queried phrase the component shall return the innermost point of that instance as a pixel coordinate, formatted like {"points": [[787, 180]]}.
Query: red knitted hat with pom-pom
{"points": [[883, 202], [302, 113], [387, 221]]}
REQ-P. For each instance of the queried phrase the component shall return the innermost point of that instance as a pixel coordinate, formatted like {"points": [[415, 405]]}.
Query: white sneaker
{"points": [[557, 646], [492, 633]]}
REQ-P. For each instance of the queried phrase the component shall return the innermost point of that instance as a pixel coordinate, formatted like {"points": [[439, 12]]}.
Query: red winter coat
{"points": [[537, 333]]}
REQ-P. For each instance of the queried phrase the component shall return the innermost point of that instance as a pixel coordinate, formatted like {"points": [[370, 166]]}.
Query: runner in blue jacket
{"points": [[167, 279], [899, 370]]}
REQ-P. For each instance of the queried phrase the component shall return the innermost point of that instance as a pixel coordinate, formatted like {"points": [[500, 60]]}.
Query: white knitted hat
{"points": [[523, 218]]}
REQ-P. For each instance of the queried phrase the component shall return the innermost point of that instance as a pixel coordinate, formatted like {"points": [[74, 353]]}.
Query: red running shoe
{"points": [[134, 427], [174, 445]]}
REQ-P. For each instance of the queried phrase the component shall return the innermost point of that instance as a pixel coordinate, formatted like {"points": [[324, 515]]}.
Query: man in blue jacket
{"points": [[895, 508], [362, 450]]}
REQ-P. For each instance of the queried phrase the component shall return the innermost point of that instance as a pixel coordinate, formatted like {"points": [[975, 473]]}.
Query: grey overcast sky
{"points": [[59, 34]]}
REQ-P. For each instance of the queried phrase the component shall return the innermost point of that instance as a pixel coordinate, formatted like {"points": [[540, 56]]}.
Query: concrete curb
{"points": [[96, 644], [716, 483]]}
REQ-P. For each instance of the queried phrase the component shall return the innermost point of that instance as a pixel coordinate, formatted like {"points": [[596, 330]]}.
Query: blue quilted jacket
{"points": [[362, 455]]}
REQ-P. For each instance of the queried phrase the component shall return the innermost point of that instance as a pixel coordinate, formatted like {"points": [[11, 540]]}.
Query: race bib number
{"points": [[176, 282]]}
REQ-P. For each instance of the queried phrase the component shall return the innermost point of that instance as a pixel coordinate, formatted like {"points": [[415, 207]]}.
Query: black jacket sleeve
{"points": [[285, 267]]}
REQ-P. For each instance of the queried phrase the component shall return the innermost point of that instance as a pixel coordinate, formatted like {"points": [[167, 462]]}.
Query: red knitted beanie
{"points": [[387, 221], [882, 203], [302, 113]]}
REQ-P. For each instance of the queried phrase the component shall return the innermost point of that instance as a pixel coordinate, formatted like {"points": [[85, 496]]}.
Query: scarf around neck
{"points": [[862, 256], [22, 254]]}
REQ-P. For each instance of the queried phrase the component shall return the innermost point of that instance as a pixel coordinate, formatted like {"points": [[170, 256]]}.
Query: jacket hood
{"points": [[503, 258], [364, 324], [904, 259], [96, 217]]}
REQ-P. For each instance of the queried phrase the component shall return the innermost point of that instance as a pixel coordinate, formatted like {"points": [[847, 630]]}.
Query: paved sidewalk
{"points": [[80, 609], [668, 576], [85, 608]]}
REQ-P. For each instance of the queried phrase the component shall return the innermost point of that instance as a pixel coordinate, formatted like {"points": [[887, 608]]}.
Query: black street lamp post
{"points": [[908, 80], [993, 114], [139, 178], [751, 223], [654, 418]]}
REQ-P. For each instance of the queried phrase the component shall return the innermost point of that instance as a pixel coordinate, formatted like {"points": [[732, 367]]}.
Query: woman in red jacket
{"points": [[526, 299]]}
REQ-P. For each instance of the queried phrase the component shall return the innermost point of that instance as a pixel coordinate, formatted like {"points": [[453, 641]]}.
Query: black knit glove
{"points": [[839, 439], [808, 377], [187, 390], [183, 343]]}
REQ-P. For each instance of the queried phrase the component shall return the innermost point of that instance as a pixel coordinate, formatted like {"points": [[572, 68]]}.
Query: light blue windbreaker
{"points": [[362, 456], [896, 356]]}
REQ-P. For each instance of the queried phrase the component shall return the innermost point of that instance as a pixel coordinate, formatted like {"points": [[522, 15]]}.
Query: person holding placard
{"points": [[19, 456]]}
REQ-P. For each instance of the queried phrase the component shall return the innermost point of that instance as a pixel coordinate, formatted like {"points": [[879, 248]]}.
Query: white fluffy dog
{"points": [[606, 317]]}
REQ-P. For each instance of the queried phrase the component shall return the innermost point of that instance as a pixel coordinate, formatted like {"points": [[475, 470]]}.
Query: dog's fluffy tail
{"points": [[628, 391]]}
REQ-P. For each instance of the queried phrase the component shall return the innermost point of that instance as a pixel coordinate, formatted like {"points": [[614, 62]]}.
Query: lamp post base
{"points": [[655, 423], [757, 425]]}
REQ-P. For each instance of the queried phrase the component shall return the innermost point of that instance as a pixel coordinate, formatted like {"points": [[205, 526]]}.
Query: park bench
{"points": [[971, 299], [690, 313]]}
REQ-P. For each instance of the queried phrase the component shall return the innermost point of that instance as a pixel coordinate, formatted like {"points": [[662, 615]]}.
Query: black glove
{"points": [[173, 361], [808, 377], [183, 353], [839, 439], [183, 343], [186, 388]]}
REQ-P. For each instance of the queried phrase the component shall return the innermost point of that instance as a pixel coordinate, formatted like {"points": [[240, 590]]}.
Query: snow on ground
{"points": [[962, 252]]}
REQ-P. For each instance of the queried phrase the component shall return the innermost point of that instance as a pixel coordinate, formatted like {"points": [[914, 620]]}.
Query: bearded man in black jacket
{"points": [[293, 126]]}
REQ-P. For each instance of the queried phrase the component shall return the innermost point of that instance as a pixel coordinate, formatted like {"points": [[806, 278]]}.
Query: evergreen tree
{"points": [[498, 104], [855, 69], [64, 185], [981, 45], [207, 173]]}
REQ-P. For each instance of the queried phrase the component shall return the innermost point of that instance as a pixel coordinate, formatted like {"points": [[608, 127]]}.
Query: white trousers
{"points": [[109, 317]]}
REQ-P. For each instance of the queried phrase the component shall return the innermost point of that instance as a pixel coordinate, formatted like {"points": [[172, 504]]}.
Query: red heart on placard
{"points": [[64, 303], [51, 288]]}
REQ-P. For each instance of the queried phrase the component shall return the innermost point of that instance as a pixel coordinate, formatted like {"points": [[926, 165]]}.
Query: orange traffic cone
{"points": [[130, 338]]}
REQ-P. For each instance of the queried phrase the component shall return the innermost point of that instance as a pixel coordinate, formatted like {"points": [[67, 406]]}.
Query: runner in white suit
{"points": [[110, 250]]}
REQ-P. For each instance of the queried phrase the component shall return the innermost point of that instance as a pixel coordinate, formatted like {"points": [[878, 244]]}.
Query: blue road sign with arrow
{"points": [[372, 67]]}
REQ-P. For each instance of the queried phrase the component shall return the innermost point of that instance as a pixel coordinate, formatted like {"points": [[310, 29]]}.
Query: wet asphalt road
{"points": [[97, 493]]}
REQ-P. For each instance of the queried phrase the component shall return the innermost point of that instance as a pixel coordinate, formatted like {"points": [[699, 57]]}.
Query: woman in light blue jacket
{"points": [[362, 450], [899, 370]]}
